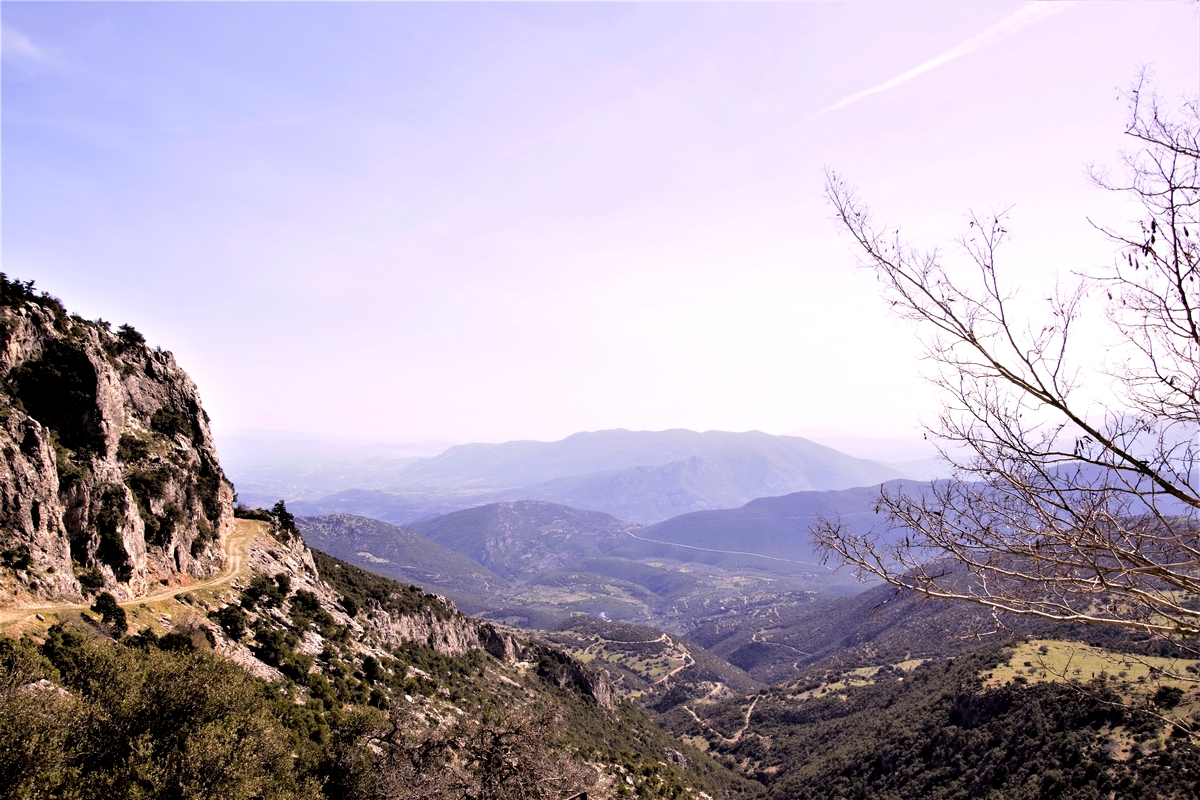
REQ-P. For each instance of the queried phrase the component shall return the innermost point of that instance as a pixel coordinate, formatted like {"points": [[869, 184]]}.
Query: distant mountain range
{"points": [[769, 533], [638, 476], [525, 539], [531, 561]]}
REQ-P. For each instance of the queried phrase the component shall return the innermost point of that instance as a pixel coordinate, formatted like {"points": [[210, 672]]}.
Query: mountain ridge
{"points": [[638, 476]]}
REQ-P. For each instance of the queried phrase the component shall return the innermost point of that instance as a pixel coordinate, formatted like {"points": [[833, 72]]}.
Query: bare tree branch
{"points": [[1058, 512]]}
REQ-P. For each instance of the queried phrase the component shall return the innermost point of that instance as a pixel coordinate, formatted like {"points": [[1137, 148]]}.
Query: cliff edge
{"points": [[109, 478]]}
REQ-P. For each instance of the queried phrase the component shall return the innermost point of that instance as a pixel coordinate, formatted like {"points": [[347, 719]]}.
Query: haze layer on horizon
{"points": [[487, 222]]}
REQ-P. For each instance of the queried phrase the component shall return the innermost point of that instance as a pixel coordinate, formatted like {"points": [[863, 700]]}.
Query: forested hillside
{"points": [[933, 729]]}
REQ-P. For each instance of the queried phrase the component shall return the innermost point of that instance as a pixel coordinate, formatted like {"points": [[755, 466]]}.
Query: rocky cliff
{"points": [[380, 616], [109, 477]]}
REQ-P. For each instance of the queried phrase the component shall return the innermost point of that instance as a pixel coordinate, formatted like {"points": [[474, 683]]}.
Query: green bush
{"points": [[112, 614], [129, 337], [109, 522], [261, 590], [287, 522], [16, 557], [232, 620], [90, 579], [170, 423], [139, 723], [15, 293], [260, 514], [132, 448], [1168, 697]]}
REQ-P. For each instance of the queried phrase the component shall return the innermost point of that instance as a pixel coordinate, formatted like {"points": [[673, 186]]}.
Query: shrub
{"points": [[132, 448], [15, 293], [261, 590], [16, 557], [287, 522], [261, 514], [109, 521], [204, 535], [129, 337], [232, 620], [112, 614], [1168, 697], [169, 422], [90, 579], [153, 723]]}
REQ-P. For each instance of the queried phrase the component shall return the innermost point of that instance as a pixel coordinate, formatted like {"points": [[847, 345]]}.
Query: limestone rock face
{"points": [[451, 635], [108, 470], [500, 644], [560, 668]]}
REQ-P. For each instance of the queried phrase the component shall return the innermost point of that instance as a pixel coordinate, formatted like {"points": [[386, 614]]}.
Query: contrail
{"points": [[1018, 20]]}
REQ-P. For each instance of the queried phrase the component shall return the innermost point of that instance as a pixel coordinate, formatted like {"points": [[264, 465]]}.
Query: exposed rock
{"points": [[556, 666], [438, 625], [450, 636], [500, 644], [107, 464]]}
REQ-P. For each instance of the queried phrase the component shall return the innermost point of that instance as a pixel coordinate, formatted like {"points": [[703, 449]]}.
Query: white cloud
{"points": [[16, 45], [1019, 20]]}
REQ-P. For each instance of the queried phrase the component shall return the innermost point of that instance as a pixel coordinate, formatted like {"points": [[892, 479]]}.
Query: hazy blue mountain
{"points": [[772, 527], [525, 538], [712, 481], [915, 457], [885, 449], [520, 464], [639, 476], [399, 554], [924, 469]]}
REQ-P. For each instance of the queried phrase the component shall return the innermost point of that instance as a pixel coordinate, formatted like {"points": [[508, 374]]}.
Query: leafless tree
{"points": [[1066, 507]]}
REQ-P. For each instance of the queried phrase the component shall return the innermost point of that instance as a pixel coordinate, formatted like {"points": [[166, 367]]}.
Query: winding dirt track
{"points": [[235, 550], [737, 737]]}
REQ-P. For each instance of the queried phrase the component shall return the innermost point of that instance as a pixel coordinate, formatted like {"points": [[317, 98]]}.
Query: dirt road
{"points": [[235, 550]]}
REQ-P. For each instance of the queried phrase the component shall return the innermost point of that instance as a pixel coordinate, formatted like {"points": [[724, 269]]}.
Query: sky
{"points": [[484, 221]]}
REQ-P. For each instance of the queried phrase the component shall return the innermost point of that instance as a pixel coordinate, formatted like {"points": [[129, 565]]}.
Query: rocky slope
{"points": [[109, 477], [361, 616]]}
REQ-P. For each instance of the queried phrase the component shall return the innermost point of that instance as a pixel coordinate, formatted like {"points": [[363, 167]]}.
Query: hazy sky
{"points": [[488, 221]]}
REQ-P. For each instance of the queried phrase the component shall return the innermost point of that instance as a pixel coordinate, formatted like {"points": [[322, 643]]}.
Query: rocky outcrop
{"points": [[499, 644], [108, 470], [450, 635], [561, 669]]}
